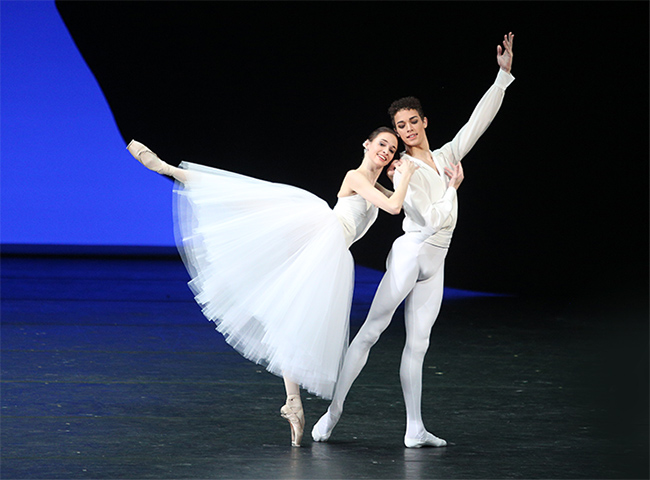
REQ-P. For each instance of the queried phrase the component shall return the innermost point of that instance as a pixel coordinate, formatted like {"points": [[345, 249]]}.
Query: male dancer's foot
{"points": [[323, 428], [426, 440]]}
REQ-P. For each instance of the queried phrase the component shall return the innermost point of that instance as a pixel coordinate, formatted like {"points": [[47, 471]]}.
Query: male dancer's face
{"points": [[410, 127]]}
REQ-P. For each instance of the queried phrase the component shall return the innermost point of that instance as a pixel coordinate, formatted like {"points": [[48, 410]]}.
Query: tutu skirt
{"points": [[269, 265]]}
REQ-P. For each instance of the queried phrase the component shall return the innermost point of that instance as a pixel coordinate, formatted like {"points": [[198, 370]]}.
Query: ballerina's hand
{"points": [[455, 174], [390, 171], [405, 166]]}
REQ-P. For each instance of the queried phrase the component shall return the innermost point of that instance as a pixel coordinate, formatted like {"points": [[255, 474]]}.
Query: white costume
{"points": [[415, 272], [270, 266]]}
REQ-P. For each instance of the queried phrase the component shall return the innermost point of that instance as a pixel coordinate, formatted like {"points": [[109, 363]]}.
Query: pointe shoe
{"points": [[429, 440], [294, 414], [149, 159]]}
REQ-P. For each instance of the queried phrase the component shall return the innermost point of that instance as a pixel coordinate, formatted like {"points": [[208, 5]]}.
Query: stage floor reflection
{"points": [[109, 370]]}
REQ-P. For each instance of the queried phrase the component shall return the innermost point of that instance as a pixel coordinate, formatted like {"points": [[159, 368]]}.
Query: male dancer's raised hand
{"points": [[504, 56]]}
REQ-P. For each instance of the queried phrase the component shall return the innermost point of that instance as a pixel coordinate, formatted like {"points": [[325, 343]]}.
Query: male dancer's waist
{"points": [[441, 238], [437, 235]]}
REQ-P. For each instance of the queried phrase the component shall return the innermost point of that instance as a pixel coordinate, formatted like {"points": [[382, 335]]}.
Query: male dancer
{"points": [[415, 264]]}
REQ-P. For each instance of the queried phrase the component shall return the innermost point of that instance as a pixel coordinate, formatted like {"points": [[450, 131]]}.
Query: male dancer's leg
{"points": [[421, 310], [400, 277]]}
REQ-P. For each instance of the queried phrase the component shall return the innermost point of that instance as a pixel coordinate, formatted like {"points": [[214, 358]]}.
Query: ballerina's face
{"points": [[382, 148]]}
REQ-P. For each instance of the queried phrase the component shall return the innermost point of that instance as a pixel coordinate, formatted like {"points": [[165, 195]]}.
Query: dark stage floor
{"points": [[109, 370]]}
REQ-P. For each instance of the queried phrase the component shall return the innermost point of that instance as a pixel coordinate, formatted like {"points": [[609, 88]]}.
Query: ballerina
{"points": [[270, 263]]}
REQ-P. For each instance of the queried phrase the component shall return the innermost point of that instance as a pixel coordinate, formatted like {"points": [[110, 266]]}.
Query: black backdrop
{"points": [[555, 201]]}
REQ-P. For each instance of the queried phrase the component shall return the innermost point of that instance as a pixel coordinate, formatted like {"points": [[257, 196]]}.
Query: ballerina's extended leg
{"points": [[150, 160]]}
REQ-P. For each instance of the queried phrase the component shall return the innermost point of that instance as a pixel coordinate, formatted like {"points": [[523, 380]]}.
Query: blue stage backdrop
{"points": [[66, 176]]}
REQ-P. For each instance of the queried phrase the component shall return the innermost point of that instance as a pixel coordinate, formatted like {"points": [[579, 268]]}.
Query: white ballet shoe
{"points": [[429, 440], [149, 159], [321, 426], [295, 415]]}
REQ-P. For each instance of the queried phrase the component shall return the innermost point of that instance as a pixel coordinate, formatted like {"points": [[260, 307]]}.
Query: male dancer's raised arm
{"points": [[486, 109]]}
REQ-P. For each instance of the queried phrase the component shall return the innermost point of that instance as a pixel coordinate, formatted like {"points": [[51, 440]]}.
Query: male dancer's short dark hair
{"points": [[405, 103]]}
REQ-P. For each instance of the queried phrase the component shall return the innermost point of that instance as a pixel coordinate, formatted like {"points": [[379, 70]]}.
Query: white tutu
{"points": [[270, 266]]}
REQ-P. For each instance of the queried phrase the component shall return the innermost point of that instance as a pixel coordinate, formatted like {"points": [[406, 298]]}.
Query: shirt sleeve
{"points": [[439, 214], [487, 108]]}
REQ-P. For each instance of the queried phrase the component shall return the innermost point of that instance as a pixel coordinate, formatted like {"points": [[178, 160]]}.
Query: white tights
{"points": [[415, 271]]}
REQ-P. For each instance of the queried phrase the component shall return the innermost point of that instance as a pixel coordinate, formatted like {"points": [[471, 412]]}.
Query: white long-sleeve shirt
{"points": [[431, 206]]}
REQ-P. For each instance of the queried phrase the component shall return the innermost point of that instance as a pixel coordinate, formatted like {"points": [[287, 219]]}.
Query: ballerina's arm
{"points": [[383, 189], [391, 204]]}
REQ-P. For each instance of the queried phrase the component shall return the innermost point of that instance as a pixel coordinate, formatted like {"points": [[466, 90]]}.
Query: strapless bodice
{"points": [[356, 215]]}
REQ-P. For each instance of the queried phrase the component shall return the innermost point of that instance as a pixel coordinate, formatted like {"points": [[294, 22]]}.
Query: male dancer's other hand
{"points": [[504, 56], [455, 174]]}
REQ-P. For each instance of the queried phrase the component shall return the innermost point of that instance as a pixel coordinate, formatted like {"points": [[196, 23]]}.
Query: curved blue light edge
{"points": [[66, 176]]}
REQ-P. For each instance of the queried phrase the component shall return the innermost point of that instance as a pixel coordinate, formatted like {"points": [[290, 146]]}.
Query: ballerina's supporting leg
{"points": [[150, 160], [293, 411]]}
